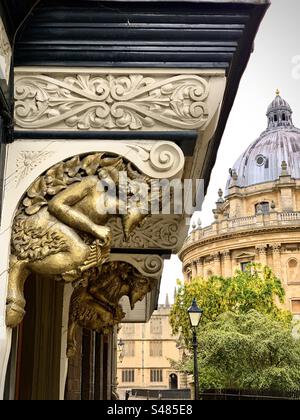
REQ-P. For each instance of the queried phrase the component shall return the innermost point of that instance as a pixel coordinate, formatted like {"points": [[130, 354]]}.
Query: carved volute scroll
{"points": [[60, 231]]}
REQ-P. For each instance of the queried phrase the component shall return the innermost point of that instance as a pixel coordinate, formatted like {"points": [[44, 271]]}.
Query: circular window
{"points": [[260, 160]]}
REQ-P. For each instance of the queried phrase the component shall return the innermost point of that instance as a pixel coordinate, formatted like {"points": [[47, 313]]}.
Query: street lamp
{"points": [[195, 315], [121, 345]]}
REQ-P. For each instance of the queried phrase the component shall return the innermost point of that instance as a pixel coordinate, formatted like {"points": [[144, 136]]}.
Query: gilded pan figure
{"points": [[60, 227]]}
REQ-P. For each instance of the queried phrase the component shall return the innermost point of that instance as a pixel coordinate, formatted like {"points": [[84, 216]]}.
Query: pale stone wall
{"points": [[142, 362]]}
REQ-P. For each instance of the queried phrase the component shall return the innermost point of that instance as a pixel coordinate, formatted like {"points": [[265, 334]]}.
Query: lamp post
{"points": [[195, 315], [121, 345]]}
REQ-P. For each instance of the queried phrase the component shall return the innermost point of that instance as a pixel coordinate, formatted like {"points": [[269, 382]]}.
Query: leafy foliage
{"points": [[257, 288], [247, 351]]}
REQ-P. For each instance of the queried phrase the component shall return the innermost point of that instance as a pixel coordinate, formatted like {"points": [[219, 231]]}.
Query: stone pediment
{"points": [[245, 255]]}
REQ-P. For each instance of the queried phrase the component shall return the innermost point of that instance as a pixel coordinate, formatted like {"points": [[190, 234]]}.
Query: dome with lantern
{"points": [[280, 142]]}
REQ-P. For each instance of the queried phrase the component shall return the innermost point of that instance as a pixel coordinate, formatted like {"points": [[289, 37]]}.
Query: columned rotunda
{"points": [[259, 219]]}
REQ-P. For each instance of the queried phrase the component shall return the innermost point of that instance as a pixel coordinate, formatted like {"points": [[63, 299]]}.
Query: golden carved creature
{"points": [[95, 300], [60, 227]]}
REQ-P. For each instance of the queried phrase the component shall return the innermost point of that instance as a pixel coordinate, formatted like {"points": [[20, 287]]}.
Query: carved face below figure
{"points": [[95, 301], [60, 228]]}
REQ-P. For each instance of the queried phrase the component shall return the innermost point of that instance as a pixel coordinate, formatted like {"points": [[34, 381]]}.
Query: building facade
{"points": [[259, 219], [144, 361]]}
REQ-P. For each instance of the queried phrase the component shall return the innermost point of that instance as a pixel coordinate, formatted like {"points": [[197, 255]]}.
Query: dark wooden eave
{"points": [[182, 34]]}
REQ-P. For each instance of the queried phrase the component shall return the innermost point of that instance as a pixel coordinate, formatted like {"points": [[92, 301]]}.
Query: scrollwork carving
{"points": [[157, 233], [130, 102]]}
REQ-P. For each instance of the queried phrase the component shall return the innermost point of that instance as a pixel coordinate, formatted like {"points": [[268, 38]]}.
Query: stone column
{"points": [[185, 273], [227, 263], [276, 248], [200, 267], [194, 269], [217, 264], [262, 250]]}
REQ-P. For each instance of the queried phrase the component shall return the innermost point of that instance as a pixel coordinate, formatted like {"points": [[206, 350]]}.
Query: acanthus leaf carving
{"points": [[130, 102], [155, 233]]}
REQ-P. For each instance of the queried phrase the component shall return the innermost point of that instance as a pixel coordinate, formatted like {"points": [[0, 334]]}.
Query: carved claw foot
{"points": [[14, 314]]}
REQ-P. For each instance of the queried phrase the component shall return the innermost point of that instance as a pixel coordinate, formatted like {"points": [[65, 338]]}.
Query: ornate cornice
{"points": [[187, 248], [85, 100], [5, 49]]}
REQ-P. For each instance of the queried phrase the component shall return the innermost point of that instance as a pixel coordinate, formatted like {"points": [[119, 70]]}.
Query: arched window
{"points": [[262, 208], [283, 117], [275, 118]]}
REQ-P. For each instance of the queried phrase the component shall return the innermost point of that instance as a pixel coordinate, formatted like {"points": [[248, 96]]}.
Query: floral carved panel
{"points": [[83, 101], [155, 233]]}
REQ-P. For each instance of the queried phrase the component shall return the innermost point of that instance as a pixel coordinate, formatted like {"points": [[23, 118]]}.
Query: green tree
{"points": [[247, 351], [256, 288]]}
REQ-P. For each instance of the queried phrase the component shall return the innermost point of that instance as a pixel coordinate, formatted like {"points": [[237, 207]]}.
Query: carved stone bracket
{"points": [[103, 101], [147, 265], [157, 159]]}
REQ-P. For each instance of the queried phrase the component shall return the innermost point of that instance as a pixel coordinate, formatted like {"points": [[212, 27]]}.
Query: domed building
{"points": [[259, 219]]}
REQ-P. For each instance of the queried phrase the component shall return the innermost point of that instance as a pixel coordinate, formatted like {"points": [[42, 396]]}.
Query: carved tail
{"points": [[15, 302]]}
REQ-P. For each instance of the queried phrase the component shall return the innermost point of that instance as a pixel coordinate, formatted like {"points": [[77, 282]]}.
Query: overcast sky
{"points": [[275, 63]]}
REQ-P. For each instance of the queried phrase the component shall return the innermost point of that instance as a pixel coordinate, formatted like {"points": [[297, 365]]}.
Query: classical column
{"points": [[194, 269], [262, 251], [217, 264], [276, 249], [185, 272], [200, 267], [227, 263]]}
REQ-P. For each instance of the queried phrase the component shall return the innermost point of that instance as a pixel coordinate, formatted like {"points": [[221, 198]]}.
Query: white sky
{"points": [[272, 65]]}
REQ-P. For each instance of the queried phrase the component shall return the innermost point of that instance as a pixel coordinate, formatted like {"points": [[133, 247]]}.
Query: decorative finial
{"points": [[220, 199], [194, 225], [199, 223], [277, 92]]}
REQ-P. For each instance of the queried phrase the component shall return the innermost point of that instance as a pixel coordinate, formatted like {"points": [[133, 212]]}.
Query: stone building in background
{"points": [[144, 361], [259, 219]]}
